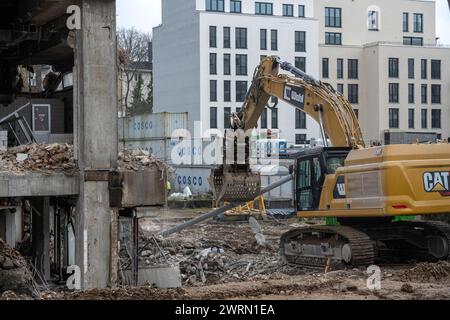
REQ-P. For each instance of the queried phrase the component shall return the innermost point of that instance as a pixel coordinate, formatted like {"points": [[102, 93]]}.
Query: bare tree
{"points": [[134, 45]]}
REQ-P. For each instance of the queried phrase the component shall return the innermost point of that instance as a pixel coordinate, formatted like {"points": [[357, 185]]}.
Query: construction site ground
{"points": [[223, 260]]}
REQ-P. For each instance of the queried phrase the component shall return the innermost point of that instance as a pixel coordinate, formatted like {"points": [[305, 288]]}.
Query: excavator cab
{"points": [[311, 167]]}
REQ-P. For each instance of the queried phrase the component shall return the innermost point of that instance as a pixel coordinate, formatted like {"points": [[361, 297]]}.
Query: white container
{"points": [[152, 126], [3, 140], [194, 177]]}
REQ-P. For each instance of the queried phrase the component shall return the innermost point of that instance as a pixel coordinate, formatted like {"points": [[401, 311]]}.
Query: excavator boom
{"points": [[330, 109]]}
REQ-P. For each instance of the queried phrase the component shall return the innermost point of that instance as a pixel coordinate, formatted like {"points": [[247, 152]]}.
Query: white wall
{"points": [[176, 61], [354, 20], [286, 27]]}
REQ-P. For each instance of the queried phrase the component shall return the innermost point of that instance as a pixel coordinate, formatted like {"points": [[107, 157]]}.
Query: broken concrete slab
{"points": [[160, 276]]}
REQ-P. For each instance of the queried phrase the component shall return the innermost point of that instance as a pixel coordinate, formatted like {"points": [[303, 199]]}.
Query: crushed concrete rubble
{"points": [[59, 158], [218, 257], [14, 274], [39, 158], [138, 160], [425, 272]]}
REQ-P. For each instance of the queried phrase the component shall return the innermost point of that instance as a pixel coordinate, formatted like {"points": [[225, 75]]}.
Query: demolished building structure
{"points": [[60, 202]]}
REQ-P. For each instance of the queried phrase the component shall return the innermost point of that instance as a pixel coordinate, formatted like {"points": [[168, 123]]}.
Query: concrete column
{"points": [[96, 113]]}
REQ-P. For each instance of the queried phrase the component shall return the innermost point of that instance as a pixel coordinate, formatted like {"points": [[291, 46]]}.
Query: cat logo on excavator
{"points": [[436, 181]]}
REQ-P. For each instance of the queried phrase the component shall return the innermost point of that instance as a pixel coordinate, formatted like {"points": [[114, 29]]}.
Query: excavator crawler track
{"points": [[419, 234], [362, 248]]}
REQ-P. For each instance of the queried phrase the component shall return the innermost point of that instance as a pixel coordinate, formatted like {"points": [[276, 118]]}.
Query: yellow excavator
{"points": [[364, 188]]}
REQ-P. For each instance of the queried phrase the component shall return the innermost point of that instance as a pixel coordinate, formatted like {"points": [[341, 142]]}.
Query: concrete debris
{"points": [[39, 158], [425, 272], [14, 274], [138, 160]]}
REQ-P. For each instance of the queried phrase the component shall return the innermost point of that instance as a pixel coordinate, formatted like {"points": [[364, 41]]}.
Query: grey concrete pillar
{"points": [[96, 121]]}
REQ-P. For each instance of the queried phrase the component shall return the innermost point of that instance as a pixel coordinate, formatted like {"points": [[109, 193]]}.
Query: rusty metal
{"points": [[130, 189], [235, 186]]}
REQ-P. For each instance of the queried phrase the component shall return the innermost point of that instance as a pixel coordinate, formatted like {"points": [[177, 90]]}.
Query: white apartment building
{"points": [[383, 56], [205, 53]]}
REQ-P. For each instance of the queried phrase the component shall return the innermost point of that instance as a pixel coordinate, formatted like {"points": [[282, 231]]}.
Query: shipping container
{"points": [[152, 126], [175, 151], [194, 177]]}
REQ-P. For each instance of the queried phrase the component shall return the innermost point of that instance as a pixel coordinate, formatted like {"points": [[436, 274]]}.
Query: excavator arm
{"points": [[330, 109]]}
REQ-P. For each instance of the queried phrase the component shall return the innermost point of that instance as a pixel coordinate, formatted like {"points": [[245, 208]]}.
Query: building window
{"points": [[288, 10], [264, 8], [436, 119], [435, 93], [424, 120], [411, 68], [263, 39], [262, 57], [227, 118], [353, 68], [423, 68], [418, 22], [212, 37], [356, 111], [300, 41], [273, 40], [393, 118], [424, 93], [393, 92], [340, 68], [264, 119], [436, 69], [413, 41], [213, 90], [393, 67], [235, 6], [227, 90], [373, 20], [300, 138], [333, 38], [226, 64], [274, 118], [212, 63], [300, 63], [241, 38], [405, 22], [226, 37], [241, 64], [241, 90], [340, 88], [214, 5], [410, 93], [300, 119], [301, 11], [353, 96], [411, 118], [325, 72], [213, 117], [333, 17]]}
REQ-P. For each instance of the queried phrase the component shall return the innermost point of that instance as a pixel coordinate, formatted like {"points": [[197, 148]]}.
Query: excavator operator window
{"points": [[310, 176], [333, 163]]}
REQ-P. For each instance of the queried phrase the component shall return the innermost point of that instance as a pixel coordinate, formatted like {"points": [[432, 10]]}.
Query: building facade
{"points": [[206, 52], [383, 56]]}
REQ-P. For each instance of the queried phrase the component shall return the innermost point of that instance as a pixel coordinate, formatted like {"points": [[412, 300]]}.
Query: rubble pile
{"points": [[426, 272], [138, 160], [213, 254], [14, 274], [49, 158]]}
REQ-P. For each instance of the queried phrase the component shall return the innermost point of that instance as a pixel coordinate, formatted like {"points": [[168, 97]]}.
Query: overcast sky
{"points": [[145, 14]]}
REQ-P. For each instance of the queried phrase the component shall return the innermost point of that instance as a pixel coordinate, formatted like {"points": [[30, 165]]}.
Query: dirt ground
{"points": [[223, 260]]}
